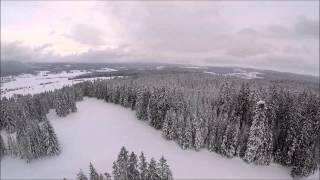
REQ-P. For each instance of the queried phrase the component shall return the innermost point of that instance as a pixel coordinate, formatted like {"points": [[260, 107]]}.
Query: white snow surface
{"points": [[41, 82], [97, 134], [105, 69], [241, 74]]}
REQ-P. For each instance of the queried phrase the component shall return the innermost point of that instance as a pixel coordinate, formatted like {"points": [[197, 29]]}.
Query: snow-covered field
{"points": [[240, 73], [43, 81], [97, 134]]}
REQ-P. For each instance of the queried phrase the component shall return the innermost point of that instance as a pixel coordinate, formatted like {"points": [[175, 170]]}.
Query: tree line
{"points": [[27, 133], [257, 120], [129, 166], [260, 122]]}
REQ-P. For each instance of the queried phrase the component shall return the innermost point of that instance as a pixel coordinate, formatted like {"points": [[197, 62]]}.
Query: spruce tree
{"points": [[116, 171], [152, 170], [230, 138], [164, 171], [107, 176], [12, 147], [243, 108], [24, 141], [133, 173], [304, 157], [93, 175], [179, 127], [38, 148], [153, 110], [143, 167], [2, 148], [121, 165], [50, 140], [142, 104], [188, 138], [7, 116], [259, 147], [169, 125], [81, 176]]}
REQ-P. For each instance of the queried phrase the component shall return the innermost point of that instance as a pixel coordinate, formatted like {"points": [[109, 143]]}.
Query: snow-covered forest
{"points": [[130, 166], [258, 121]]}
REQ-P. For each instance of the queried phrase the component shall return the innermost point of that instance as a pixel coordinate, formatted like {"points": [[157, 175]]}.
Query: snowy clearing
{"points": [[43, 81], [97, 134], [243, 74], [105, 69]]}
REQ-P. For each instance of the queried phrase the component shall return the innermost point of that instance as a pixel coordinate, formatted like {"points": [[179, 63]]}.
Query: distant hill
{"points": [[15, 68]]}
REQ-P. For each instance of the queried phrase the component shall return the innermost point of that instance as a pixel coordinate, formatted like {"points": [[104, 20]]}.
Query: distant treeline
{"points": [[256, 120]]}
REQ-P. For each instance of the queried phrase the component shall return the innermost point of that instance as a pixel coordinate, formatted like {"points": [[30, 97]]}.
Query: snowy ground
{"points": [[241, 74], [97, 134], [43, 81]]}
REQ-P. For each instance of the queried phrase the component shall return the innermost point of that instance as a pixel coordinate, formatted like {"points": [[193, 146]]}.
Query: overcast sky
{"points": [[273, 35]]}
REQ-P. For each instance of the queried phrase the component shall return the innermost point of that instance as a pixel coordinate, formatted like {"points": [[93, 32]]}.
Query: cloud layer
{"points": [[275, 35]]}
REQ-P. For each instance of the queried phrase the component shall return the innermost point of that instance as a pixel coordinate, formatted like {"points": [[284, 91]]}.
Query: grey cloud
{"points": [[247, 49], [290, 49], [195, 33], [302, 27], [86, 34], [17, 51], [43, 47], [170, 27], [249, 32], [193, 29], [307, 27], [105, 55], [278, 31]]}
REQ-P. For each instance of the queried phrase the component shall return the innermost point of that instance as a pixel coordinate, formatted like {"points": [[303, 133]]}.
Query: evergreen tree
{"points": [[259, 147], [116, 171], [7, 116], [164, 171], [24, 141], [230, 138], [188, 138], [12, 148], [244, 105], [157, 107], [107, 176], [101, 177], [168, 125], [143, 167], [38, 148], [198, 137], [289, 126], [142, 104], [2, 148], [152, 170], [179, 127], [41, 108], [94, 175], [81, 176], [50, 140], [60, 104], [304, 157], [126, 97], [133, 173], [120, 168], [305, 162]]}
